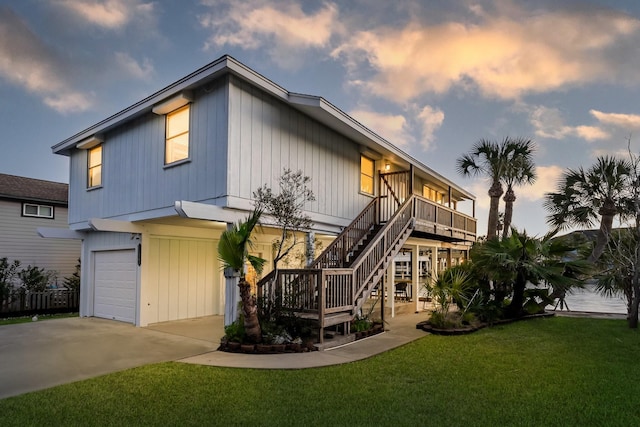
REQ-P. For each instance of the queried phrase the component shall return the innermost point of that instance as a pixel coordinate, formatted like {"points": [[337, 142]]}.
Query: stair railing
{"points": [[366, 265], [335, 255]]}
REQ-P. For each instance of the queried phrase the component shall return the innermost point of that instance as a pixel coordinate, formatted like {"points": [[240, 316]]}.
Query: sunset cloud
{"points": [[26, 61], [129, 65], [415, 126], [502, 55], [392, 127], [550, 123], [628, 122], [108, 14], [277, 26], [430, 120], [546, 181]]}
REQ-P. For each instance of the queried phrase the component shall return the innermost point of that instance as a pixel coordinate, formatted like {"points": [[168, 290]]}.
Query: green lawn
{"points": [[545, 372], [27, 319]]}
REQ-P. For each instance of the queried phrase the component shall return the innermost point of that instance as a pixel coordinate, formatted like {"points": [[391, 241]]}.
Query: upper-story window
{"points": [[431, 194], [366, 174], [40, 211], [94, 174], [177, 135]]}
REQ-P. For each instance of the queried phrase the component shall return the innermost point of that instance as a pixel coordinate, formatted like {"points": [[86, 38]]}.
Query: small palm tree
{"points": [[583, 196], [520, 170], [491, 159], [233, 251], [519, 259]]}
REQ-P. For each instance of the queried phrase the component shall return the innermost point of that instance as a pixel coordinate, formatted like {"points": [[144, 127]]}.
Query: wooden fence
{"points": [[45, 302]]}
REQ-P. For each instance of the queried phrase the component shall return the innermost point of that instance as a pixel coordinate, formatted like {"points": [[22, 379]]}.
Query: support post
{"points": [[415, 275]]}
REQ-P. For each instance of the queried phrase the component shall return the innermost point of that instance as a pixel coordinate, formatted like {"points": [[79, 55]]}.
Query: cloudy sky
{"points": [[432, 77]]}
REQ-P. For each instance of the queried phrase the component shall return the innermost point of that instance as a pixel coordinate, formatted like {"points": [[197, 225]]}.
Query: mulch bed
{"points": [[427, 327]]}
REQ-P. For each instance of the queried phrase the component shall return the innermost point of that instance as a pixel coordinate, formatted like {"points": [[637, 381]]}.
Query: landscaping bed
{"points": [[467, 329]]}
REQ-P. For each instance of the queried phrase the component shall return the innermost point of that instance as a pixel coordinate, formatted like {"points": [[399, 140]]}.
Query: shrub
{"points": [[8, 273], [235, 331], [73, 282], [35, 279]]}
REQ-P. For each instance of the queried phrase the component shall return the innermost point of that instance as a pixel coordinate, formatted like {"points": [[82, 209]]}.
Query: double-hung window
{"points": [[177, 135], [94, 159]]}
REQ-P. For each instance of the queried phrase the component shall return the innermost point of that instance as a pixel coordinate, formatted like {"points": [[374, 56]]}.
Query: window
{"points": [[431, 194], [177, 134], [366, 175], [94, 176], [41, 211]]}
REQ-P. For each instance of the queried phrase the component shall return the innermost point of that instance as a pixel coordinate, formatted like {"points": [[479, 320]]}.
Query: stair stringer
{"points": [[375, 279]]}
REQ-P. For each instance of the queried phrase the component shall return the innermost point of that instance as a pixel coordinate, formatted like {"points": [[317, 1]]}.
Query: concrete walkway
{"points": [[399, 330]]}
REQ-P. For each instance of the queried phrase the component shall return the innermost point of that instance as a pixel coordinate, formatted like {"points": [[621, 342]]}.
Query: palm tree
{"points": [[520, 170], [584, 196], [233, 251], [520, 259], [491, 159]]}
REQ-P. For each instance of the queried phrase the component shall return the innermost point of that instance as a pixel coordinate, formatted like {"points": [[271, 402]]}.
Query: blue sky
{"points": [[432, 77]]}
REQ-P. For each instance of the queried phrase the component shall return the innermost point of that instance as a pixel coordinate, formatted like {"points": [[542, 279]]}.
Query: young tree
{"points": [[286, 210], [233, 251]]}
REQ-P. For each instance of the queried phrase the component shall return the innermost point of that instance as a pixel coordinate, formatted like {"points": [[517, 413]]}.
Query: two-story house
{"points": [[153, 186], [25, 205]]}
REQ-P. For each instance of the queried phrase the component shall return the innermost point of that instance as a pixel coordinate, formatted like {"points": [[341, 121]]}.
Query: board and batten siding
{"points": [[266, 136], [183, 280], [134, 176], [19, 240]]}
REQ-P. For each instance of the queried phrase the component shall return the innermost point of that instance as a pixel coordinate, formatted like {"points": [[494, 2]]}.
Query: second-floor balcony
{"points": [[431, 218]]}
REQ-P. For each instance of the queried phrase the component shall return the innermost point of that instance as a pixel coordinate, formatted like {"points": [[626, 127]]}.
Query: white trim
{"points": [[59, 233]]}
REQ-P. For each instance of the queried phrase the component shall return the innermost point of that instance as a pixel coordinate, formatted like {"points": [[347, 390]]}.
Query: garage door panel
{"points": [[115, 278]]}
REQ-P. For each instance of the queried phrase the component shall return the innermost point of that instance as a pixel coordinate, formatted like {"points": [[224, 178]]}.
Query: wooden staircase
{"points": [[333, 290]]}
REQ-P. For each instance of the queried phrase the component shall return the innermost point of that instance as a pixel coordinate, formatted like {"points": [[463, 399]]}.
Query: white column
{"points": [[415, 275], [391, 286], [434, 262], [231, 296]]}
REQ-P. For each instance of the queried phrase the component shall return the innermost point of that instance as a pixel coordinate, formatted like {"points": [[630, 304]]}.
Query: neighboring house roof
{"points": [[31, 189], [313, 106]]}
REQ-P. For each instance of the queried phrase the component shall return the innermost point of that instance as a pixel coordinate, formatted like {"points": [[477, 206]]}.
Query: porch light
{"points": [[173, 103], [387, 166]]}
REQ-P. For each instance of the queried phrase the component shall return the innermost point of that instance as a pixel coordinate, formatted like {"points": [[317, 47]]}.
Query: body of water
{"points": [[587, 299]]}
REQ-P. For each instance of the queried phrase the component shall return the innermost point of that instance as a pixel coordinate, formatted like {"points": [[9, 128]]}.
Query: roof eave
{"points": [[327, 113]]}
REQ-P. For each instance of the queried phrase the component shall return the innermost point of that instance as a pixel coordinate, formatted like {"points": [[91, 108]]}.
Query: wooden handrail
{"points": [[345, 241], [379, 248]]}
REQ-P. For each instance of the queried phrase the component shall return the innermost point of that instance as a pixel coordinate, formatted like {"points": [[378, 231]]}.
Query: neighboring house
{"points": [[25, 205], [153, 187]]}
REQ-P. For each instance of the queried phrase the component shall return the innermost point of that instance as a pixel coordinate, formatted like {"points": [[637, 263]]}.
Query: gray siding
{"points": [[134, 178], [266, 135], [19, 240]]}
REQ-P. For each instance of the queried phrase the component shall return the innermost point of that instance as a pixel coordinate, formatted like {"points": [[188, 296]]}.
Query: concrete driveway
{"points": [[39, 355]]}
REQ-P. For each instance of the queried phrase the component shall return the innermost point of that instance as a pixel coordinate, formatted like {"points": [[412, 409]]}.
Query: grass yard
{"points": [[41, 317], [545, 372]]}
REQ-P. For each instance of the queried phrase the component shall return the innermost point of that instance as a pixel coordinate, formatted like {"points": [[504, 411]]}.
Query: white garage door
{"points": [[115, 276]]}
